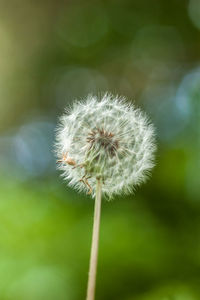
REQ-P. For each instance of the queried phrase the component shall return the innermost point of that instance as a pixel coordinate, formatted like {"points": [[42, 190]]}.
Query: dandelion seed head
{"points": [[107, 139]]}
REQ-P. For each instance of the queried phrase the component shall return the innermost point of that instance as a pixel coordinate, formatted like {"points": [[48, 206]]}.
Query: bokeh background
{"points": [[52, 52]]}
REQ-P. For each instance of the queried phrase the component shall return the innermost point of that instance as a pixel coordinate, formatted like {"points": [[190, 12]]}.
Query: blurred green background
{"points": [[52, 52]]}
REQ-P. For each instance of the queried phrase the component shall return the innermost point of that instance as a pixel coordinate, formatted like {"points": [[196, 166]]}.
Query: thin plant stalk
{"points": [[95, 243]]}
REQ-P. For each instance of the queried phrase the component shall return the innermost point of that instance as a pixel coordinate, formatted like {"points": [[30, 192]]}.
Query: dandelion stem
{"points": [[94, 246]]}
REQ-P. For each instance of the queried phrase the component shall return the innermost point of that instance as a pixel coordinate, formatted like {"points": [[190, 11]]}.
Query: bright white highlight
{"points": [[105, 139]]}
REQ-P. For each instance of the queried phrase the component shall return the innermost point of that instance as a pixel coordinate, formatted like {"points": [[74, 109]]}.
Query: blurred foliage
{"points": [[53, 52]]}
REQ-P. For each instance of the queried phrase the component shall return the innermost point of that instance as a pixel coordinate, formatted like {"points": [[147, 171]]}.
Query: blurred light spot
{"points": [[156, 47], [188, 100], [70, 83], [173, 108], [29, 152], [194, 12], [187, 91], [7, 155], [160, 102], [33, 147], [40, 283], [83, 25]]}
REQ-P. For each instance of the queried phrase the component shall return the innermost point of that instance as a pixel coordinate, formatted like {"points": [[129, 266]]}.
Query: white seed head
{"points": [[105, 139]]}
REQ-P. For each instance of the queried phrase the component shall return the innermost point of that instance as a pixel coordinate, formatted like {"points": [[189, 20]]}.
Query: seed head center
{"points": [[103, 140]]}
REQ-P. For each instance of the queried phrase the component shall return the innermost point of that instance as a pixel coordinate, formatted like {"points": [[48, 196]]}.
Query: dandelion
{"points": [[104, 147]]}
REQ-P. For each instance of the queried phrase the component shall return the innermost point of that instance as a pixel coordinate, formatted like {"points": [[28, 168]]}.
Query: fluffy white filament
{"points": [[105, 139]]}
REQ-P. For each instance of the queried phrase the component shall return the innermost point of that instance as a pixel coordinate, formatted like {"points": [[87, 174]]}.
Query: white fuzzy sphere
{"points": [[105, 139]]}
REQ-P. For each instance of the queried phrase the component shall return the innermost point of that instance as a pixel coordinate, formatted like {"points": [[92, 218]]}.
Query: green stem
{"points": [[95, 243]]}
